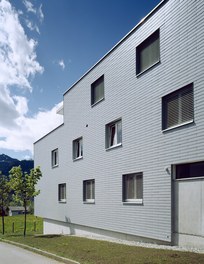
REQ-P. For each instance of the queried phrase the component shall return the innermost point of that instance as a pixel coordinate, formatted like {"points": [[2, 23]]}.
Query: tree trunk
{"points": [[2, 218], [25, 214]]}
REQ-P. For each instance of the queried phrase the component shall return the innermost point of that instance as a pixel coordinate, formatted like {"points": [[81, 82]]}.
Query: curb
{"points": [[41, 252]]}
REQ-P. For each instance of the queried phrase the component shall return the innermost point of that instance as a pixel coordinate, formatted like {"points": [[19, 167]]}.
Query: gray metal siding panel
{"points": [[137, 100]]}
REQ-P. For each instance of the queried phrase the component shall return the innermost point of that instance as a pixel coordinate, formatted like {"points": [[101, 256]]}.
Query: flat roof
{"points": [[142, 21]]}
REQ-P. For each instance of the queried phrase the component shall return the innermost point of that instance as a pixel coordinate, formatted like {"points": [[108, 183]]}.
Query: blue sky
{"points": [[46, 46]]}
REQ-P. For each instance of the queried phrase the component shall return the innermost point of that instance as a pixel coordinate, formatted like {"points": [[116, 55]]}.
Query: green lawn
{"points": [[15, 225], [88, 251]]}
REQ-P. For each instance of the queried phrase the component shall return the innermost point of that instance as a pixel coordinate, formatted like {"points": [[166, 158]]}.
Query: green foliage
{"points": [[4, 196], [23, 185]]}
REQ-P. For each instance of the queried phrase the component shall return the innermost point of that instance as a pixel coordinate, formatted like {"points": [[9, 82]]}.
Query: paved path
{"points": [[10, 254]]}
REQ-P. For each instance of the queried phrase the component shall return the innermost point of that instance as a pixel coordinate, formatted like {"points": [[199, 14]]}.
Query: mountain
{"points": [[6, 163]]}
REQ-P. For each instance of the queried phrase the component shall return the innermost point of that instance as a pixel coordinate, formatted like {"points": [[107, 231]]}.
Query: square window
{"points": [[78, 148], [62, 192], [89, 191], [148, 53], [55, 158], [177, 107], [97, 90], [114, 134], [133, 187]]}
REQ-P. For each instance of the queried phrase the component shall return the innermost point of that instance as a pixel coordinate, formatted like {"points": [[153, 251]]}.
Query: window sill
{"points": [[115, 146], [79, 158], [89, 202], [153, 65], [62, 201], [97, 102], [133, 201], [55, 166], [177, 126]]}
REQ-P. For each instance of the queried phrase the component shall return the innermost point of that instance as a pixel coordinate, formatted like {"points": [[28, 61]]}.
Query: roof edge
{"points": [[142, 21], [48, 133]]}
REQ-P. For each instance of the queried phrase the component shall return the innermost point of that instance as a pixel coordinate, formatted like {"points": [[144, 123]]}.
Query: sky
{"points": [[45, 47]]}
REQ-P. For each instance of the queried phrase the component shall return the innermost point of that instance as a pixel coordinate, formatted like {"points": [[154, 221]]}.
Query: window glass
{"points": [[133, 187], [178, 107], [97, 90], [148, 52], [114, 134], [190, 170], [78, 148], [89, 190], [62, 192], [54, 157]]}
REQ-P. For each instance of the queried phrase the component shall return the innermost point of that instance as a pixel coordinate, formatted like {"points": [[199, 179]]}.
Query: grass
{"points": [[88, 251], [15, 225]]}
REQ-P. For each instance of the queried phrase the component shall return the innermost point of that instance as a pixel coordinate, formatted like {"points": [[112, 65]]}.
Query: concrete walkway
{"points": [[10, 254]]}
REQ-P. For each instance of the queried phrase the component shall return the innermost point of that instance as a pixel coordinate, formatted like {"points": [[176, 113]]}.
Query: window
{"points": [[114, 134], [55, 158], [89, 191], [78, 148], [177, 107], [148, 53], [133, 187], [190, 170], [62, 192], [97, 90]]}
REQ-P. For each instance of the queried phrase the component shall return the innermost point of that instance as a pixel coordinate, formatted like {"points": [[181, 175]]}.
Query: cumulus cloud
{"points": [[17, 53], [32, 26], [19, 65]]}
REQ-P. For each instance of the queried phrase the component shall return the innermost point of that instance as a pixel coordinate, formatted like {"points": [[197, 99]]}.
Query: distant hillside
{"points": [[6, 163]]}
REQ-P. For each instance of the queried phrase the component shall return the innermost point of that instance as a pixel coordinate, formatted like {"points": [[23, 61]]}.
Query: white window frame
{"points": [[55, 158], [136, 199], [91, 184], [114, 134], [78, 148], [62, 193]]}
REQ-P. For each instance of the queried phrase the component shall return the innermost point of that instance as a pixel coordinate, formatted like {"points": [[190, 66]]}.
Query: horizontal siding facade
{"points": [[137, 100]]}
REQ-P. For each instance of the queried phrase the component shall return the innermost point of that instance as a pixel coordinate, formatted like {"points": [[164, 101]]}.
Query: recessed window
{"points": [[148, 53], [62, 192], [78, 148], [97, 90], [55, 158], [114, 134], [133, 188], [177, 107], [190, 170], [89, 191]]}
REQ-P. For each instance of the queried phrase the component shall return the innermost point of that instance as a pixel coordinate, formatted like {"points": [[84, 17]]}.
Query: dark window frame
{"points": [[144, 45], [94, 86], [90, 199], [181, 110], [62, 193]]}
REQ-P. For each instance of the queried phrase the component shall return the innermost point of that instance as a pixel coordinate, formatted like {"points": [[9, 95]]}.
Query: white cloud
{"points": [[17, 53], [19, 131], [40, 14], [32, 26], [29, 6], [61, 64], [18, 64]]}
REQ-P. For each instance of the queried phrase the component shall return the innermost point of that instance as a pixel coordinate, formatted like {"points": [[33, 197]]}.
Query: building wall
{"points": [[145, 148]]}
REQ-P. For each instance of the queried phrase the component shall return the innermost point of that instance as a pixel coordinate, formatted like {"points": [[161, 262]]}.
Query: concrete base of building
{"points": [[188, 241], [65, 228]]}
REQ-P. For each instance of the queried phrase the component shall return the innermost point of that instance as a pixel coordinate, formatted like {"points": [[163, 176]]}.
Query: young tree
{"points": [[4, 197], [23, 185]]}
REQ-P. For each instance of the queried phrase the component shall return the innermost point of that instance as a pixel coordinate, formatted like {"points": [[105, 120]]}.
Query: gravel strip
{"points": [[141, 244]]}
